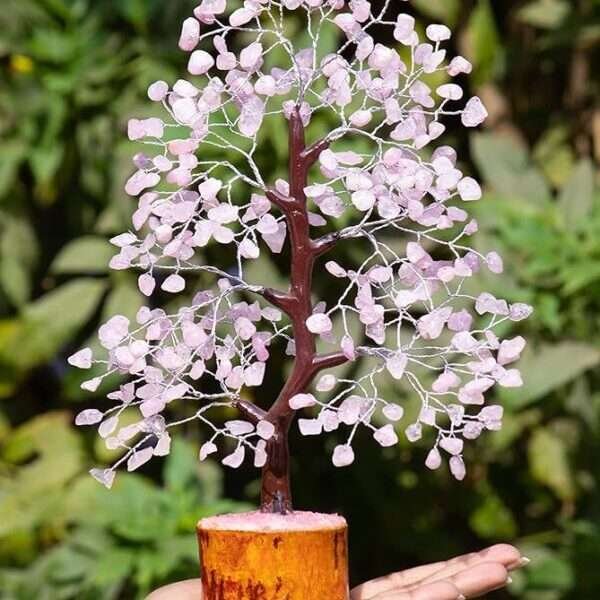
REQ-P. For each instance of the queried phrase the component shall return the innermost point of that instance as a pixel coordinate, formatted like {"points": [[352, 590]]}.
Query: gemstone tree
{"points": [[403, 311]]}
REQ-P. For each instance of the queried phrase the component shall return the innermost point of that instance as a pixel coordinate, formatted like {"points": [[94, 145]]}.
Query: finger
{"points": [[504, 554], [184, 590], [440, 590], [397, 581], [481, 579], [501, 554]]}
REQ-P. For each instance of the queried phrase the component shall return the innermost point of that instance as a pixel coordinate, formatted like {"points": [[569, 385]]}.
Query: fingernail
{"points": [[522, 562], [509, 580], [461, 597]]}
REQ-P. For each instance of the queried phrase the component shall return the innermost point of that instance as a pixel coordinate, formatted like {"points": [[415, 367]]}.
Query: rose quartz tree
{"points": [[404, 314]]}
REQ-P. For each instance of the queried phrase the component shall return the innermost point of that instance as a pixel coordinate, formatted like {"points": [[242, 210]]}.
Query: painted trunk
{"points": [[257, 556]]}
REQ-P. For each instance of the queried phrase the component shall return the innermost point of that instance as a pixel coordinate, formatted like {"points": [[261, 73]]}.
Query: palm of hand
{"points": [[468, 576]]}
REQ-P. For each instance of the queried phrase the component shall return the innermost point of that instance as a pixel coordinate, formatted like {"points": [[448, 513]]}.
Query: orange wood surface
{"points": [[290, 565]]}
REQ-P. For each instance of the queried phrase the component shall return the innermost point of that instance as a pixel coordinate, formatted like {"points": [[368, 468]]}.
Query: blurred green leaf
{"points": [[548, 570], [150, 565], [50, 322], [492, 519], [136, 510], [549, 463], [577, 196], [68, 565], [549, 367], [53, 45], [124, 299], [15, 280], [547, 14], [18, 256], [580, 275], [181, 468], [485, 48], [582, 402], [446, 11], [264, 272], [507, 168], [12, 152], [135, 11], [514, 426], [34, 493], [554, 156], [85, 255], [112, 566]]}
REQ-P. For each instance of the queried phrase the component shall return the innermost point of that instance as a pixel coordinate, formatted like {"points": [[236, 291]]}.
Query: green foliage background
{"points": [[71, 73]]}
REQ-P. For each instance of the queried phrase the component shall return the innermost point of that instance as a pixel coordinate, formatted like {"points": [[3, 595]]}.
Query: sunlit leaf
{"points": [[549, 463], [549, 367], [547, 14], [484, 43], [446, 11], [50, 322], [554, 156], [84, 255]]}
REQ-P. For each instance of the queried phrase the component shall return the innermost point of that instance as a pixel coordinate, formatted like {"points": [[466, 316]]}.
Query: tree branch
{"points": [[311, 154], [281, 300], [327, 242], [279, 200], [253, 413], [328, 361]]}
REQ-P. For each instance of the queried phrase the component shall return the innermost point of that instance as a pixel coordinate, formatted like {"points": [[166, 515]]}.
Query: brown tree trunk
{"points": [[276, 494], [297, 304]]}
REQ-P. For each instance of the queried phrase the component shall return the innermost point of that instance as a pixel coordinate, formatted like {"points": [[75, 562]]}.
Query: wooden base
{"points": [[302, 556]]}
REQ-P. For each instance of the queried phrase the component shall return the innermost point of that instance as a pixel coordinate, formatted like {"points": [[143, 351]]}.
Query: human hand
{"points": [[468, 576]]}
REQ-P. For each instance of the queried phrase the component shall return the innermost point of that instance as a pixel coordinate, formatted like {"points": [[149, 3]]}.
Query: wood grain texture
{"points": [[274, 565]]}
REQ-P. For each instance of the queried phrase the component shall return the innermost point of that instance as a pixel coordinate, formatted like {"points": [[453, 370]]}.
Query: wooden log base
{"points": [[257, 556]]}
